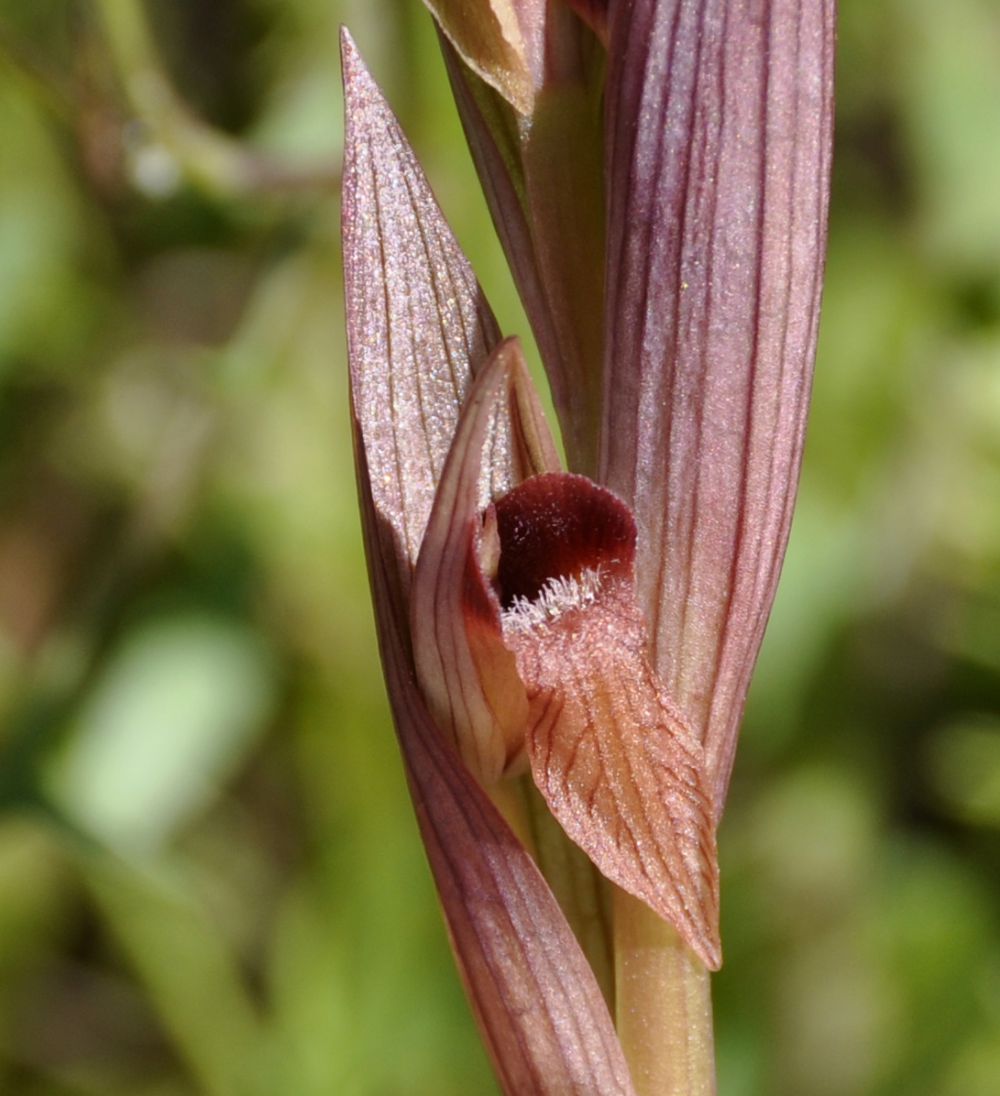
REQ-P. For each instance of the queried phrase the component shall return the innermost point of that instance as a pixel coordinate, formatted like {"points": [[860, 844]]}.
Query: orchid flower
{"points": [[585, 637]]}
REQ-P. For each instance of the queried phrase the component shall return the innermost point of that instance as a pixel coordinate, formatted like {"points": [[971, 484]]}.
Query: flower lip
{"points": [[560, 532], [618, 764]]}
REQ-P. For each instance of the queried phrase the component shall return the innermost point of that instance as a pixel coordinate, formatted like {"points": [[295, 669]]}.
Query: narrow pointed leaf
{"points": [[417, 330], [417, 321], [718, 154], [467, 675], [619, 766]]}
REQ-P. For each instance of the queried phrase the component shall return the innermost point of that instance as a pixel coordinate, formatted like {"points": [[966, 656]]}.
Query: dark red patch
{"points": [[559, 525]]}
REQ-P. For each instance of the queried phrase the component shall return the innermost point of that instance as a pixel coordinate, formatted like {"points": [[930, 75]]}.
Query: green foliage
{"points": [[210, 873]]}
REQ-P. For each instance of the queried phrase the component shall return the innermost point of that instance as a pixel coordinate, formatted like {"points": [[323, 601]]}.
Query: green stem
{"points": [[663, 1003], [210, 159]]}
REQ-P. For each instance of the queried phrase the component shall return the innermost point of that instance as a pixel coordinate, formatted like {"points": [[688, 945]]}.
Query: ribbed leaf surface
{"points": [[718, 130]]}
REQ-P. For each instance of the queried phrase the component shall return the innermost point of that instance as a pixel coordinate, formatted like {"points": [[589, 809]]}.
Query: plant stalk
{"points": [[663, 1004]]}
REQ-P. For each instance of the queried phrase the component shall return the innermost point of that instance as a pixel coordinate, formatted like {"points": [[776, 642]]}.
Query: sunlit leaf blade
{"points": [[718, 155], [417, 321], [467, 675], [618, 765], [418, 328]]}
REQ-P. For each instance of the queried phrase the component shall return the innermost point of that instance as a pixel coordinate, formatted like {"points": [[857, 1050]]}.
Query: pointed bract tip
{"points": [[348, 50], [353, 70], [356, 75]]}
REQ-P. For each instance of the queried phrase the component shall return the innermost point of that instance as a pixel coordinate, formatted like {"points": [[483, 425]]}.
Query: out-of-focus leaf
{"points": [[963, 768], [190, 974], [950, 79], [39, 234], [172, 714], [718, 125]]}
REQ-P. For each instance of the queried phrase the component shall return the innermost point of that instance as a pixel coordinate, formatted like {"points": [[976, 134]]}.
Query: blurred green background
{"points": [[210, 879]]}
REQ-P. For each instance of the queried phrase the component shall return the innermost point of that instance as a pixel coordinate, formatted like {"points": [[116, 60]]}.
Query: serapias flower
{"points": [[418, 329], [595, 627], [528, 641]]}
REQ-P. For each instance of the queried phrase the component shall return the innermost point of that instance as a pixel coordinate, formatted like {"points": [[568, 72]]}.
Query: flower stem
{"points": [[663, 1003]]}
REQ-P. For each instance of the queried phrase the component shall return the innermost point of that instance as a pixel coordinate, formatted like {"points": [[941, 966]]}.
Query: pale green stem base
{"points": [[663, 1003], [577, 885]]}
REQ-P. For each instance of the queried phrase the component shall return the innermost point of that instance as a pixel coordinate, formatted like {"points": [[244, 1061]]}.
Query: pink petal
{"points": [[467, 675]]}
